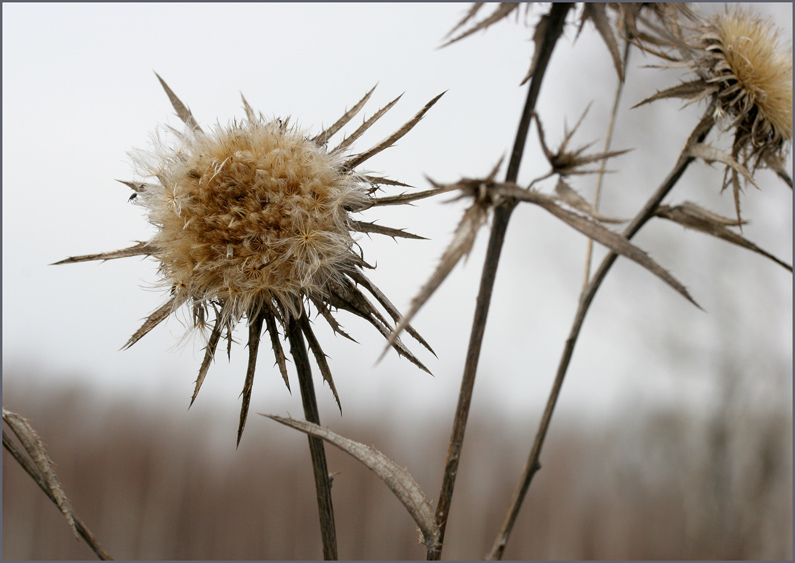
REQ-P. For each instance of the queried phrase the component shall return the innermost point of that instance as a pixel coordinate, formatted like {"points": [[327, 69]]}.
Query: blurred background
{"points": [[673, 433]]}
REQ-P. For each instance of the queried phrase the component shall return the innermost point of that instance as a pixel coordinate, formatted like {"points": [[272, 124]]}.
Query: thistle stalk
{"points": [[502, 213], [311, 414]]}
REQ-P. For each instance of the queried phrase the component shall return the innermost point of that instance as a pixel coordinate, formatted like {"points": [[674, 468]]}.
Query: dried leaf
{"points": [[502, 11], [139, 249], [408, 197], [182, 112], [393, 138], [348, 141], [539, 35], [399, 481], [326, 134], [365, 227], [596, 12], [571, 198], [694, 217], [710, 154], [276, 345], [694, 91], [153, 320], [209, 354], [254, 334], [38, 454], [361, 279], [614, 241]]}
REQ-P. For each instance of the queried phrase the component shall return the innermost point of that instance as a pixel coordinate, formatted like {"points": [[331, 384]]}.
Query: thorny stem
{"points": [[316, 449], [84, 532], [608, 140], [502, 213], [533, 465]]}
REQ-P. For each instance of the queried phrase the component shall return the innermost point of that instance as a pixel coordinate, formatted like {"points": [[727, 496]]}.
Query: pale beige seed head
{"points": [[253, 224], [249, 213], [744, 58]]}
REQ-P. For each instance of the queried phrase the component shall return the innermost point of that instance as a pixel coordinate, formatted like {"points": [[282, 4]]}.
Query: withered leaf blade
{"points": [[363, 280], [694, 90], [278, 351], [349, 298], [473, 10], [182, 111], [380, 180], [461, 245], [209, 354], [152, 321], [596, 12], [254, 334], [325, 135], [140, 249], [332, 322], [500, 12], [34, 447], [692, 216], [355, 161], [710, 154], [368, 227], [571, 198], [408, 197], [590, 228], [348, 141], [399, 481]]}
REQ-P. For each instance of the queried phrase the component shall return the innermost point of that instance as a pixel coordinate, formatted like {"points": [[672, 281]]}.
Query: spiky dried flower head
{"points": [[741, 68], [252, 212], [753, 75], [254, 221]]}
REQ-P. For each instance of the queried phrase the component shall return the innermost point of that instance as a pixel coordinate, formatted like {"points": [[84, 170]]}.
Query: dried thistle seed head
{"points": [[744, 72], [753, 75], [250, 212], [254, 222]]}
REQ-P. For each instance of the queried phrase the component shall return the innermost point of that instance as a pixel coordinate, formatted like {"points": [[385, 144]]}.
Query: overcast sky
{"points": [[79, 92]]}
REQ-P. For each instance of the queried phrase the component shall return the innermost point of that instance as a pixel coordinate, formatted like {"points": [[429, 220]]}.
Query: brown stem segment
{"points": [[502, 213], [30, 468], [322, 480], [533, 465]]}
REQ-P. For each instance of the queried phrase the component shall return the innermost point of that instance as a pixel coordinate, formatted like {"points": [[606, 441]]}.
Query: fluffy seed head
{"points": [[253, 222], [252, 212], [753, 75]]}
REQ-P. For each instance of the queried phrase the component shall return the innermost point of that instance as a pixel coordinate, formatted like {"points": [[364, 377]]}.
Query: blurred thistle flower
{"points": [[744, 72], [254, 221]]}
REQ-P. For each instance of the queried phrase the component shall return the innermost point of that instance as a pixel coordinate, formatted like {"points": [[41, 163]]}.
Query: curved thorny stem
{"points": [[533, 465], [322, 480], [502, 213]]}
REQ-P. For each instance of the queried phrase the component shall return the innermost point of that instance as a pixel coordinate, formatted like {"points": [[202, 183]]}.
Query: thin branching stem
{"points": [[31, 470], [608, 140], [533, 465], [316, 448], [502, 213]]}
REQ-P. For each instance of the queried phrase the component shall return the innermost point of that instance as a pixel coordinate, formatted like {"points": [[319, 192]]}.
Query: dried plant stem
{"points": [[84, 532], [533, 465], [603, 163], [316, 448], [502, 213]]}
